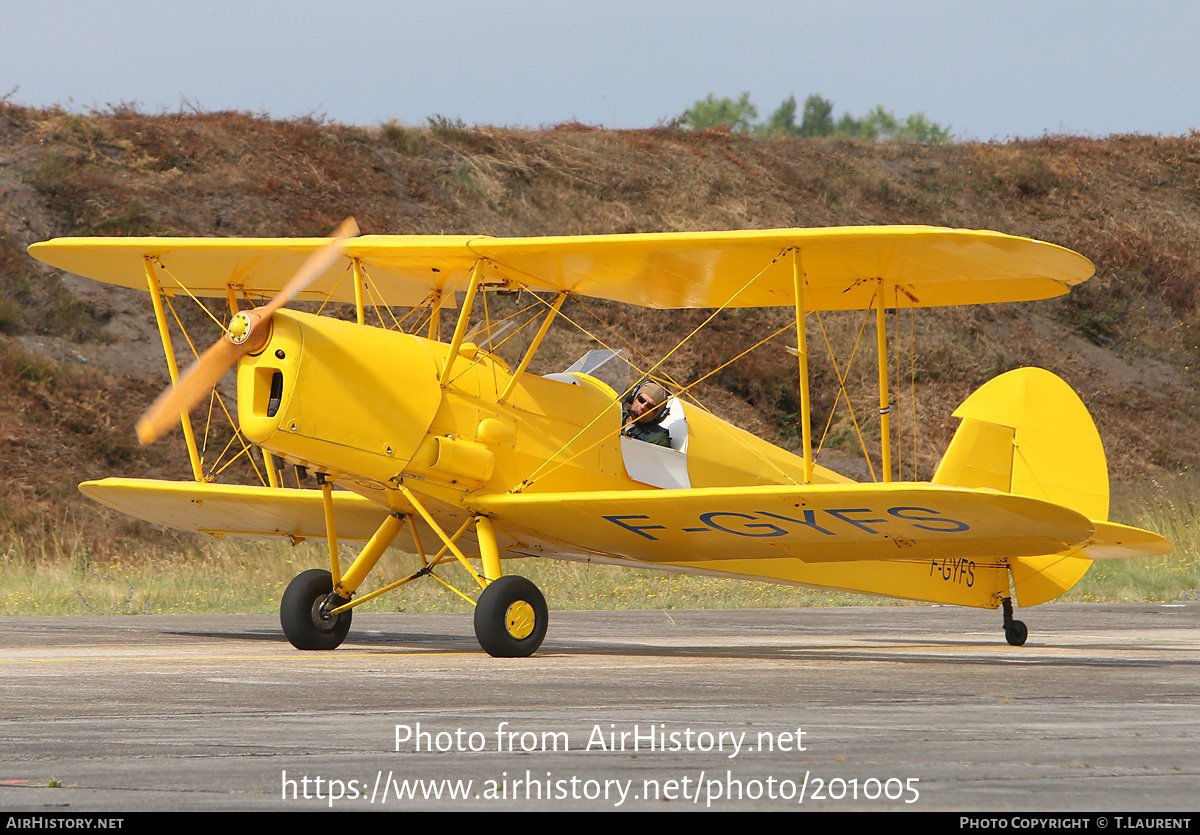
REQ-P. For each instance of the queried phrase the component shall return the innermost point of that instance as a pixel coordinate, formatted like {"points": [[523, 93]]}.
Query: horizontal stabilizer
{"points": [[1118, 542], [1042, 579]]}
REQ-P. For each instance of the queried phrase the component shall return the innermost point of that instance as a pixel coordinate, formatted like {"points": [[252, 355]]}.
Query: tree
{"points": [[919, 128], [712, 112], [879, 124], [782, 122], [849, 126], [818, 117], [882, 125]]}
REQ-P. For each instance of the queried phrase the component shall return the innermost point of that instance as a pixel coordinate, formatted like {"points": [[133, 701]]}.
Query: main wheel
{"points": [[302, 614], [1016, 633], [510, 618]]}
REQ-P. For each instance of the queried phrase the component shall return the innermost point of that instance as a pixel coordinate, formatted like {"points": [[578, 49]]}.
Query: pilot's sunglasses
{"points": [[645, 401]]}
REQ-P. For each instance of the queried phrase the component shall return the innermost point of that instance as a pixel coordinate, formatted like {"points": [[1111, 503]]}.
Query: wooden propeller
{"points": [[248, 332]]}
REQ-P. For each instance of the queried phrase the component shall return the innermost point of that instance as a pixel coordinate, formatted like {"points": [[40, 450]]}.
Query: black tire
{"points": [[511, 618], [300, 612], [1016, 633]]}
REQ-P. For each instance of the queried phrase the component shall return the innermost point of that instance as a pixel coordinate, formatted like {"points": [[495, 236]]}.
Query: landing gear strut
{"points": [[1015, 631]]}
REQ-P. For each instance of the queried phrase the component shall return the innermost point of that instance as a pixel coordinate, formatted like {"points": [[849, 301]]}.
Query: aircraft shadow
{"points": [[407, 643]]}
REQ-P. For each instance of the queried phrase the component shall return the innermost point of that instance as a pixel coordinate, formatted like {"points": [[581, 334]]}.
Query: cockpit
{"points": [[650, 464]]}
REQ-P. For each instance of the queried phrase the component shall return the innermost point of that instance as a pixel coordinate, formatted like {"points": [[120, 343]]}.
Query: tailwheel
{"points": [[510, 618], [304, 615], [1015, 631]]}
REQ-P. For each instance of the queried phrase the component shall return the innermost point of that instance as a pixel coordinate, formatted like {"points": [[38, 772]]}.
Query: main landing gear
{"points": [[510, 614], [304, 612], [511, 618], [1015, 631]]}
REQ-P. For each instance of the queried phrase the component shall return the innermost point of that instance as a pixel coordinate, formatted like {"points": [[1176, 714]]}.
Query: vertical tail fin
{"points": [[1027, 432]]}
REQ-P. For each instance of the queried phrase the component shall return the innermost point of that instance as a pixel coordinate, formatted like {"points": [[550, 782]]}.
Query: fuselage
{"points": [[366, 407]]}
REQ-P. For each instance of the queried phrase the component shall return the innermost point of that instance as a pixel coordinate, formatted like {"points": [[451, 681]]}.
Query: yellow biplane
{"points": [[441, 443]]}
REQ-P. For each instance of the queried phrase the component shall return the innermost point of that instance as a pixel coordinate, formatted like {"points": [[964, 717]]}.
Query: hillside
{"points": [[81, 360]]}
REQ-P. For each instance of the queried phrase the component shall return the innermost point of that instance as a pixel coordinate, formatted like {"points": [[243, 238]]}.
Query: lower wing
{"points": [[236, 510], [815, 524]]}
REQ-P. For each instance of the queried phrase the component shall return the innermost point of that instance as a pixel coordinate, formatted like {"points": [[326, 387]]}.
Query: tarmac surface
{"points": [[912, 708]]}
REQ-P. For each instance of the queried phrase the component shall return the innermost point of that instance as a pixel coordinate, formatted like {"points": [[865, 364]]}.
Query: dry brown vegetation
{"points": [[78, 359]]}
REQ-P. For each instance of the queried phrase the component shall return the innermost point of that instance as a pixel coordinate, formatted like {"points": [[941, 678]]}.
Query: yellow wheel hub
{"points": [[519, 620]]}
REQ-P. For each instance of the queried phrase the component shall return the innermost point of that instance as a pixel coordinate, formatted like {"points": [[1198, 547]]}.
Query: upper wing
{"points": [[919, 266], [260, 266], [814, 524]]}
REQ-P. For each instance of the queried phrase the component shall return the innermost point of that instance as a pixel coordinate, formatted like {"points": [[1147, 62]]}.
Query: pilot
{"points": [[644, 413]]}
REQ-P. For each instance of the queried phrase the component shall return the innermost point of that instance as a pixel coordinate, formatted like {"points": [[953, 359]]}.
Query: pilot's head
{"points": [[648, 403]]}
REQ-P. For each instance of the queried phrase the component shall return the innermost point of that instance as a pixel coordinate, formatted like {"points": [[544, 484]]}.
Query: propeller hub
{"points": [[239, 328]]}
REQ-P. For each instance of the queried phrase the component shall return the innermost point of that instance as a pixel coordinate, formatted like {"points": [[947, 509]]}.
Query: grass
{"points": [[249, 577], [1160, 580]]}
